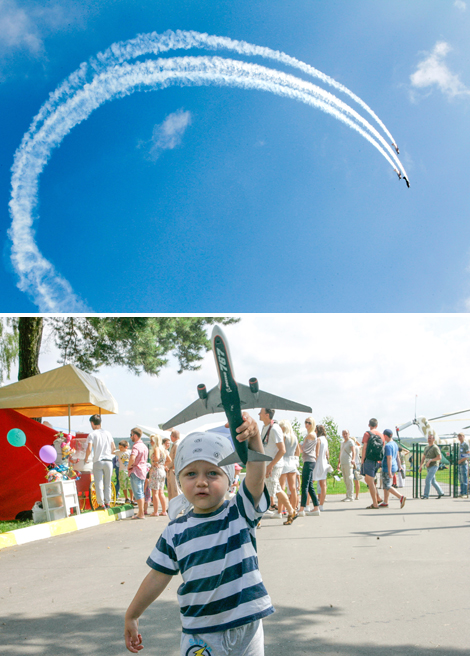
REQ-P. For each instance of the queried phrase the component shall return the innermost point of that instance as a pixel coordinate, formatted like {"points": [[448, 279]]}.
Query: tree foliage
{"points": [[141, 344], [8, 346], [334, 440]]}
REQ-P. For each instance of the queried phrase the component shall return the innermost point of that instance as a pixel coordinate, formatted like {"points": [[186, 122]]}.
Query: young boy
{"points": [[222, 598], [123, 456]]}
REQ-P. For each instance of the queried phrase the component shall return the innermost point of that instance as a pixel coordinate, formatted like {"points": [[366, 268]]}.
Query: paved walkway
{"points": [[351, 582]]}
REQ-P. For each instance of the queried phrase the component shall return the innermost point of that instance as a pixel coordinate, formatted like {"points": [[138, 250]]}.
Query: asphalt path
{"points": [[350, 582]]}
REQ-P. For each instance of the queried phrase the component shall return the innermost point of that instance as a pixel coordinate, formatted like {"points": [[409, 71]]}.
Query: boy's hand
{"points": [[248, 430], [132, 636]]}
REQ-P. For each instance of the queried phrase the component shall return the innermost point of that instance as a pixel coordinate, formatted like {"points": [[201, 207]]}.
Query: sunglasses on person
{"points": [[309, 423]]}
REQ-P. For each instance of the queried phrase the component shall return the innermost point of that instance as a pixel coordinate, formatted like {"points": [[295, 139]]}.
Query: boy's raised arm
{"points": [[255, 471], [151, 588]]}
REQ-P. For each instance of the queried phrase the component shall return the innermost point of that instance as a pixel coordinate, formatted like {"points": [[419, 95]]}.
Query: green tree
{"points": [[8, 346], [334, 441], [141, 344]]}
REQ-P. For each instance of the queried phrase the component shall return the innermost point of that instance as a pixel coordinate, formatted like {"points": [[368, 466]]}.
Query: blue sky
{"points": [[221, 199]]}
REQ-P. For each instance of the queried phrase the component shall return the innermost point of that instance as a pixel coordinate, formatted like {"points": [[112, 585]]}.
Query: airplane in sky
{"points": [[398, 173], [232, 398], [396, 147]]}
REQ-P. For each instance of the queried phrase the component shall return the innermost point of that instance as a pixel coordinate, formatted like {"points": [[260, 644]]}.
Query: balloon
{"points": [[16, 437], [48, 454]]}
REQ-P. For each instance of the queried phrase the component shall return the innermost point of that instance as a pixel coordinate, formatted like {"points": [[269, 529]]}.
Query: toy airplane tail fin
{"points": [[234, 458]]}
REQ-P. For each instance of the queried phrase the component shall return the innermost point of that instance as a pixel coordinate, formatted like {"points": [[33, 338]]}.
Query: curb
{"points": [[61, 526]]}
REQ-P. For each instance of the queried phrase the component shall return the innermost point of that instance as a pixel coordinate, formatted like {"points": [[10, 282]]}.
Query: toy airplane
{"points": [[232, 397]]}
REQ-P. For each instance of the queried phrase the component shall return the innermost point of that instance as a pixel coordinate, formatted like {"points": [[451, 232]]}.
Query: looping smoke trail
{"points": [[154, 43], [103, 79]]}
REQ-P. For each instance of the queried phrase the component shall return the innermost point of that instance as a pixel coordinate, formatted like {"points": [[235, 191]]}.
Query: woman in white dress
{"points": [[291, 460], [322, 455]]}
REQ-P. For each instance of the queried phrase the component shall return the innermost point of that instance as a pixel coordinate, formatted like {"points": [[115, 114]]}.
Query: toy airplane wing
{"points": [[211, 404], [260, 399], [248, 399]]}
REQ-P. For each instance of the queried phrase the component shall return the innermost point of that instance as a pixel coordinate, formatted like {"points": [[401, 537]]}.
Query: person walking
{"points": [[390, 465], [463, 465], [372, 455], [291, 459], [273, 442], [172, 485], [157, 475], [431, 459], [347, 462], [321, 466], [103, 447], [138, 469], [309, 454]]}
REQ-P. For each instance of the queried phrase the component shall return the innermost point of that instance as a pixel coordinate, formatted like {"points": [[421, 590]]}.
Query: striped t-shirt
{"points": [[216, 555]]}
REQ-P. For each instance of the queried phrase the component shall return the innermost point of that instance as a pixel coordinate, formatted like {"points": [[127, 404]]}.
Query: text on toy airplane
{"points": [[223, 368]]}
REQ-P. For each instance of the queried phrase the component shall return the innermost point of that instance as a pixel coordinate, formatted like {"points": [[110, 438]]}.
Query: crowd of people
{"points": [[211, 538], [144, 472]]}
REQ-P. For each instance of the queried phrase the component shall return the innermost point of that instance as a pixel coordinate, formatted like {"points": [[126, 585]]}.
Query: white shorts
{"points": [[290, 465], [246, 640], [272, 483]]}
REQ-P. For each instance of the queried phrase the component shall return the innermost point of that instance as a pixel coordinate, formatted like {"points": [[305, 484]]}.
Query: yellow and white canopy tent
{"points": [[65, 391]]}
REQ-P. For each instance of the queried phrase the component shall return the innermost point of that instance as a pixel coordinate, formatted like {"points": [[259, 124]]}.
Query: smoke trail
{"points": [[82, 93], [154, 43]]}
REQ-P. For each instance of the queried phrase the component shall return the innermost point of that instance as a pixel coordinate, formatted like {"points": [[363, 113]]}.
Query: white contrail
{"points": [[145, 43], [154, 43], [76, 98]]}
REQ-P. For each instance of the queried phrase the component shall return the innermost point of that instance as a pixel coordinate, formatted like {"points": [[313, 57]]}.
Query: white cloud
{"points": [[169, 134], [433, 71], [17, 28], [24, 25], [460, 4]]}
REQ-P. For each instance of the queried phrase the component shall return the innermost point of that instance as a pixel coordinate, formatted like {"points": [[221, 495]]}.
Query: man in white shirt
{"points": [[347, 462], [274, 446], [103, 447]]}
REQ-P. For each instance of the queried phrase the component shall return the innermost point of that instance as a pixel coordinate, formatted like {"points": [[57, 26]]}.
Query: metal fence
{"points": [[447, 475]]}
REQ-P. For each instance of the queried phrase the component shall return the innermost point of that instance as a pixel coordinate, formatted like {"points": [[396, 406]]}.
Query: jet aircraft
{"points": [[407, 181], [398, 173], [396, 147], [232, 397]]}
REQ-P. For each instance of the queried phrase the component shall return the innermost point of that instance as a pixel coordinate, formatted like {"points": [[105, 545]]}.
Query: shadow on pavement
{"points": [[288, 631], [99, 634]]}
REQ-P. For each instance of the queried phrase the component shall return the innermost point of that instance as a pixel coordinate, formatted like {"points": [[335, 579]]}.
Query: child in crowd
{"points": [[222, 598], [124, 481]]}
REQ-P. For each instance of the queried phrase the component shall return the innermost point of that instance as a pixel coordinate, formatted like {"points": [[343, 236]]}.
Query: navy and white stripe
{"points": [[216, 555]]}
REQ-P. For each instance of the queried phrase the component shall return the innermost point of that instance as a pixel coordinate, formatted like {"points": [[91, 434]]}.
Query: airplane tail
{"points": [[234, 458]]}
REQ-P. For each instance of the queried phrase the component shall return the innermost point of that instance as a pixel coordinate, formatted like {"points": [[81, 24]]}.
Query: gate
{"points": [[447, 476]]}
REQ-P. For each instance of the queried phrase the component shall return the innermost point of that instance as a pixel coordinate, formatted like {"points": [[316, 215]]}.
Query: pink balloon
{"points": [[48, 454]]}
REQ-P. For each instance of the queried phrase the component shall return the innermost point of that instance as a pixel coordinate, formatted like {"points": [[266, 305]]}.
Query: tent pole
{"points": [[69, 418]]}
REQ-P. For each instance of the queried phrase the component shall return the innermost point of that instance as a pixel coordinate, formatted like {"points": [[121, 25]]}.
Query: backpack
{"points": [[375, 447]]}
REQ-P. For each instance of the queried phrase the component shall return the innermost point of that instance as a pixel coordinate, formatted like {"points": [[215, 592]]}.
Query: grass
{"points": [[339, 487], [14, 524]]}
